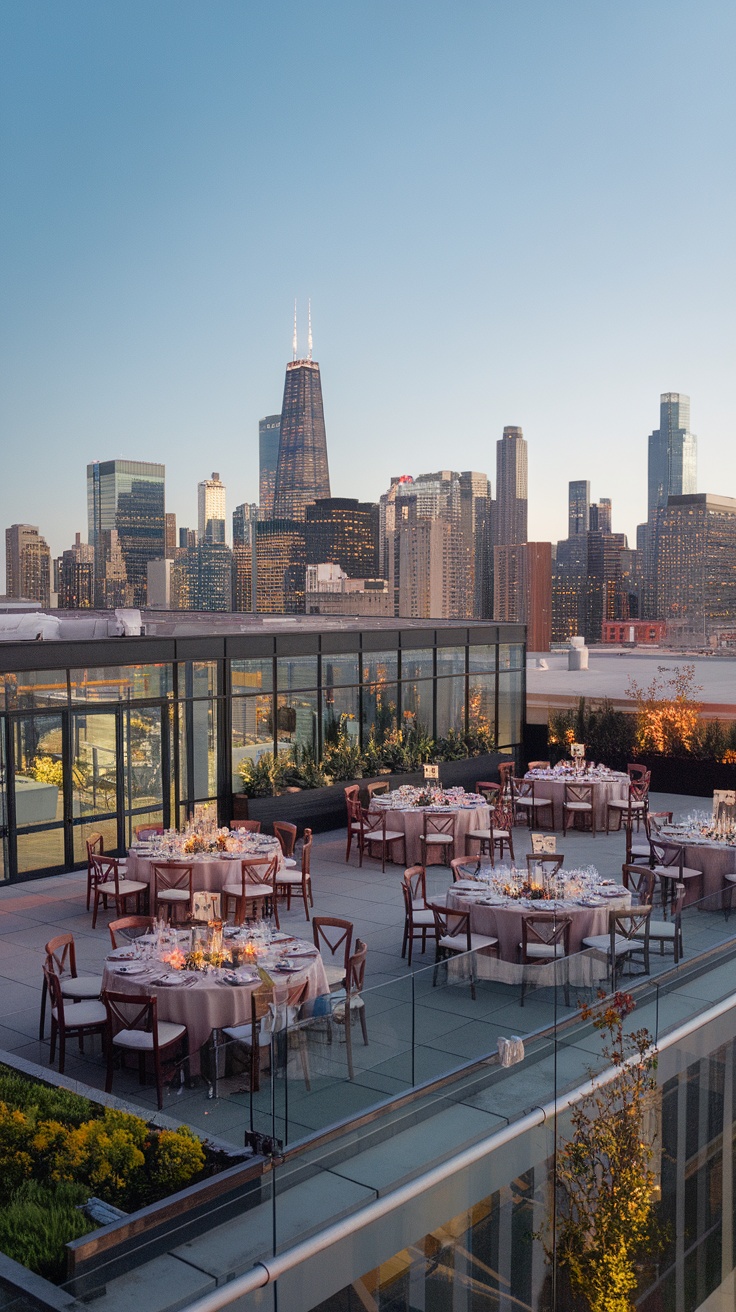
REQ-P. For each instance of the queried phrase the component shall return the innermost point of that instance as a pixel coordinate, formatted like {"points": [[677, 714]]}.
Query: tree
{"points": [[667, 712]]}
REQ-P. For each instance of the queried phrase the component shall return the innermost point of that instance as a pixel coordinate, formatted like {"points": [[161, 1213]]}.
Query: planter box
{"points": [[671, 774], [322, 809]]}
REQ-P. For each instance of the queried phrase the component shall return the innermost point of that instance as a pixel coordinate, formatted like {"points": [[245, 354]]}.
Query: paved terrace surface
{"points": [[331, 1180]]}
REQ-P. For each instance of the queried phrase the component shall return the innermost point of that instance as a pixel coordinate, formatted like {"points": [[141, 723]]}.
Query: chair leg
{"points": [[62, 1050], [159, 1079], [363, 1025], [349, 1039], [406, 936], [42, 1020]]}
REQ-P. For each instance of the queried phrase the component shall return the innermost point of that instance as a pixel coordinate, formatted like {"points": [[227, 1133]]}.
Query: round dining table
{"points": [[612, 787], [208, 1001], [409, 820], [211, 872], [714, 858]]}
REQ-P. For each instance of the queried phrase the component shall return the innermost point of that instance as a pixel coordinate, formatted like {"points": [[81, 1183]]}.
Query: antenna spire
{"points": [[309, 338], [293, 340]]}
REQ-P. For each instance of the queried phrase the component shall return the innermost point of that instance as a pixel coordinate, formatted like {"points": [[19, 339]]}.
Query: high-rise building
{"points": [[113, 588], [475, 522], [169, 536], [127, 495], [673, 453], [245, 518], [302, 473], [331, 592], [202, 577], [345, 532], [187, 538], [211, 510], [696, 561], [523, 590], [605, 592], [281, 558], [510, 518], [578, 508], [269, 434], [427, 571], [570, 588], [27, 564], [601, 516], [77, 576]]}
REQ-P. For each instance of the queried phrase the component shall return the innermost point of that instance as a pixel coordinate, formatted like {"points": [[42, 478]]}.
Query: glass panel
{"points": [[141, 820], [142, 758], [450, 660], [38, 770], [108, 828], [252, 675], [40, 851], [198, 750], [296, 672], [340, 711], [417, 664], [341, 668], [450, 706], [296, 720], [380, 666], [121, 683], [510, 707], [3, 805], [482, 660], [198, 679], [416, 705], [252, 731], [481, 702], [379, 710], [33, 688], [94, 765], [510, 656]]}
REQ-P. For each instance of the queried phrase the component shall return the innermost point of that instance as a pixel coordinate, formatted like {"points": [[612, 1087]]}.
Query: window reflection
{"points": [[252, 732], [450, 706], [417, 664], [342, 667], [417, 710], [482, 703], [33, 688], [114, 683], [380, 701], [380, 667], [296, 672], [296, 720], [252, 675]]}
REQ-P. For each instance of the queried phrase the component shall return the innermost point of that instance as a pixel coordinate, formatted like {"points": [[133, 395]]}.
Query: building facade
{"points": [[578, 508], [523, 590], [211, 509], [673, 453], [269, 434], [329, 591], [27, 564], [76, 584], [204, 577], [128, 496], [302, 473], [696, 559], [512, 491], [281, 559], [345, 532]]}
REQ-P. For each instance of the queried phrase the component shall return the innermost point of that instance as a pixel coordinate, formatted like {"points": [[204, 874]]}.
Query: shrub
{"points": [[177, 1156], [105, 1155], [343, 760], [48, 1102], [16, 1160], [38, 1223], [257, 776]]}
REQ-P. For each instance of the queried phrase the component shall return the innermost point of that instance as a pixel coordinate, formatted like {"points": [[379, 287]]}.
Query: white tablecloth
{"points": [[604, 791], [211, 873]]}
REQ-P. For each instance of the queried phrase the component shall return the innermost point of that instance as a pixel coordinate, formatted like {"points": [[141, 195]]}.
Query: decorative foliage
{"points": [[605, 1185], [667, 711], [609, 735]]}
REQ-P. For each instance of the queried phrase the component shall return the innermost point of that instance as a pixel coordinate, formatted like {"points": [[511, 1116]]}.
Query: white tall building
{"points": [[211, 510]]}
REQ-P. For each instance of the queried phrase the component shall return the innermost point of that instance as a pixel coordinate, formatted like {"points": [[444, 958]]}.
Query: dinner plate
{"points": [[232, 977], [284, 968], [135, 968], [302, 952], [171, 979]]}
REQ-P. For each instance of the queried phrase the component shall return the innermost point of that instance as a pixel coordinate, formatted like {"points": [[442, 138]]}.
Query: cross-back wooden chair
{"points": [[76, 1021], [628, 933], [61, 958], [254, 893], [418, 916], [286, 834], [438, 835], [579, 805], [632, 809], [128, 928], [453, 936], [351, 1002], [526, 804], [250, 826], [298, 881], [143, 1033], [173, 888], [545, 938], [333, 935], [373, 830], [109, 881]]}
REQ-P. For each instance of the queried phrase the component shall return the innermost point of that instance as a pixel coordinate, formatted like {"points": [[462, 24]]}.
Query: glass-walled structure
{"points": [[107, 734]]}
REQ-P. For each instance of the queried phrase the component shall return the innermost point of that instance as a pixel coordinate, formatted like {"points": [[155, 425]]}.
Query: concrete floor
{"points": [[416, 1031]]}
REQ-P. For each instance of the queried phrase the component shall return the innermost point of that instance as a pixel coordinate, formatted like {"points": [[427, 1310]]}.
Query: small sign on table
{"points": [[431, 772]]}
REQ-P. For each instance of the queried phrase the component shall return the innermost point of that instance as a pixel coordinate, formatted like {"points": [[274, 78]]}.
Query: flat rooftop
{"points": [[610, 671]]}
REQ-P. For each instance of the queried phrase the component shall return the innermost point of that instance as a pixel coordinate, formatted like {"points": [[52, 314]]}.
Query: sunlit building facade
{"points": [[269, 434], [127, 495], [27, 564], [302, 474], [696, 558], [345, 532]]}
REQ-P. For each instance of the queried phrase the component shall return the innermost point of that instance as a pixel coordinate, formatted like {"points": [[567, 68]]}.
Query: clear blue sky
{"points": [[505, 212]]}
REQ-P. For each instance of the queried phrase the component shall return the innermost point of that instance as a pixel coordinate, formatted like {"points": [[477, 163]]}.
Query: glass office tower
{"points": [[127, 495], [302, 475], [269, 434], [673, 453]]}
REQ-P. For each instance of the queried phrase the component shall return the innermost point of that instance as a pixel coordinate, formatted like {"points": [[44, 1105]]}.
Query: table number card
{"points": [[431, 772], [724, 806], [206, 906], [544, 844], [577, 751]]}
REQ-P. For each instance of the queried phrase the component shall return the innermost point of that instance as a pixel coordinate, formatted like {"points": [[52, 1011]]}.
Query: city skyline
{"points": [[148, 287]]}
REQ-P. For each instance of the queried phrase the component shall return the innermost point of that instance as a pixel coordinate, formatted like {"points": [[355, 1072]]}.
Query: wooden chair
{"points": [[286, 834], [418, 916], [438, 835], [250, 826], [173, 888], [75, 1022], [490, 792], [349, 1002], [669, 932], [546, 862], [640, 881], [524, 802], [253, 1037], [292, 881], [372, 830], [145, 831], [579, 805], [108, 881], [623, 939], [96, 847], [502, 825], [453, 936], [505, 774], [352, 792], [636, 770], [61, 958], [462, 868], [376, 789], [538, 765], [667, 860], [122, 931], [255, 891], [638, 850], [545, 938], [331, 935], [355, 820], [141, 1033], [631, 808]]}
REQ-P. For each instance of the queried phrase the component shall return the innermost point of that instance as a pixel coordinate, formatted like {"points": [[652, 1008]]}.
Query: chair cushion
{"points": [[84, 986], [244, 1034], [421, 918], [142, 1041], [658, 929], [437, 838], [458, 943], [251, 890], [479, 833], [545, 951], [639, 854], [530, 801], [390, 836], [126, 886], [83, 1013], [173, 895], [578, 806], [602, 943], [335, 974], [290, 877], [674, 872], [500, 833]]}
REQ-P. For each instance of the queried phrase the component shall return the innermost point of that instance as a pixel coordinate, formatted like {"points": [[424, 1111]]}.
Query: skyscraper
{"points": [[344, 532], [696, 563], [127, 495], [280, 567], [601, 516], [673, 453], [269, 433], [523, 593], [27, 564], [77, 577], [578, 508], [169, 536], [510, 520], [302, 473], [211, 509]]}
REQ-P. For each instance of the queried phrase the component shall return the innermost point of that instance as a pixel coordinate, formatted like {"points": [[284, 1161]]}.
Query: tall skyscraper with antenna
{"points": [[302, 474]]}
